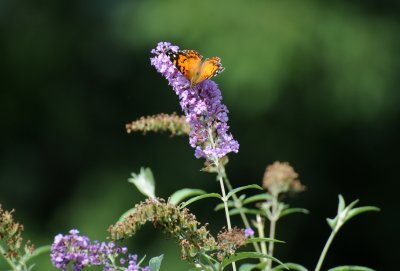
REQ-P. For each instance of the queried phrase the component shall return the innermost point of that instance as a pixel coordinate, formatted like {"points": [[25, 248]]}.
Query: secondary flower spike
{"points": [[201, 104]]}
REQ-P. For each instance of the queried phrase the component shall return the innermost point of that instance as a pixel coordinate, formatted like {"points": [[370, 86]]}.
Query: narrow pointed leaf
{"points": [[237, 211], [246, 255], [293, 211], [262, 239], [342, 204], [351, 268], [360, 210], [37, 252], [221, 206], [155, 263], [255, 198], [251, 186], [210, 195], [182, 194], [249, 267], [332, 222], [291, 266]]}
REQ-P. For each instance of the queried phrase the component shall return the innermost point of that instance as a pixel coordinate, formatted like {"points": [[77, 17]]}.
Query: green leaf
{"points": [[342, 204], [237, 211], [351, 268], [251, 186], [246, 255], [182, 194], [291, 266], [37, 252], [332, 222], [126, 214], [360, 210], [293, 211], [221, 206], [262, 239], [144, 182], [249, 267], [210, 195], [259, 197], [155, 263]]}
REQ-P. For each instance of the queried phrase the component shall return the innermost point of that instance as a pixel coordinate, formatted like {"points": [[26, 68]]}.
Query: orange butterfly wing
{"points": [[188, 62], [210, 67]]}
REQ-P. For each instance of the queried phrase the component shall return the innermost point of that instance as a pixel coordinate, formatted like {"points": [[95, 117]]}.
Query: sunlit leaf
{"points": [[251, 186], [182, 194], [144, 182], [262, 239], [291, 266], [210, 195], [255, 198], [237, 211], [246, 255], [155, 263], [351, 268], [293, 211], [221, 206], [37, 252], [360, 210]]}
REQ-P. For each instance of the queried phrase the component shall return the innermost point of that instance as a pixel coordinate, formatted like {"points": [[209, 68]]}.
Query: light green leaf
{"points": [[126, 214], [37, 252], [259, 197], [291, 266], [251, 186], [293, 211], [249, 267], [221, 206], [342, 204], [155, 263], [237, 211], [246, 255], [210, 195], [182, 194], [332, 222], [360, 210], [262, 239], [351, 268], [144, 182]]}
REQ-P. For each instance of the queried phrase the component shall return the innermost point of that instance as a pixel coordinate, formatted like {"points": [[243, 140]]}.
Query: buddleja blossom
{"points": [[78, 251], [202, 106]]}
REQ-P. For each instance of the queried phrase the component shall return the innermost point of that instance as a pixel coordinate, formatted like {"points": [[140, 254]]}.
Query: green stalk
{"points": [[325, 250], [12, 265], [238, 204], [273, 218], [260, 229]]}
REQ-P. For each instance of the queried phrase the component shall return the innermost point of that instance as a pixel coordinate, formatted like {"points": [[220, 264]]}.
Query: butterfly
{"points": [[190, 64]]}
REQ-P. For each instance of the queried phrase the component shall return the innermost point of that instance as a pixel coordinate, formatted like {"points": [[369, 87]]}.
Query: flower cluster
{"points": [[229, 241], [11, 236], [202, 106], [80, 252], [174, 124], [177, 223], [281, 178]]}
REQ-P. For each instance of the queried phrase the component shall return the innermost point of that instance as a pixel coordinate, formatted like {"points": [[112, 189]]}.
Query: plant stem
{"points": [[238, 204], [325, 250], [260, 229], [273, 218], [12, 265]]}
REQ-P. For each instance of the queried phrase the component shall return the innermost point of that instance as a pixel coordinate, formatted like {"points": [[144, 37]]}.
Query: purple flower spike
{"points": [[205, 113], [78, 251]]}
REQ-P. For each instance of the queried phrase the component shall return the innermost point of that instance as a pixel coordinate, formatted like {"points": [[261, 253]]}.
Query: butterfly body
{"points": [[190, 64]]}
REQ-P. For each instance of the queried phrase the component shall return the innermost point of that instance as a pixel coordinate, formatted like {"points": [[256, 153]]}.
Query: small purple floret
{"points": [[248, 232], [202, 106]]}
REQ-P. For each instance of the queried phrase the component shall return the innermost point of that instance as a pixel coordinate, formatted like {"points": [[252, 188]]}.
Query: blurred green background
{"points": [[313, 83]]}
